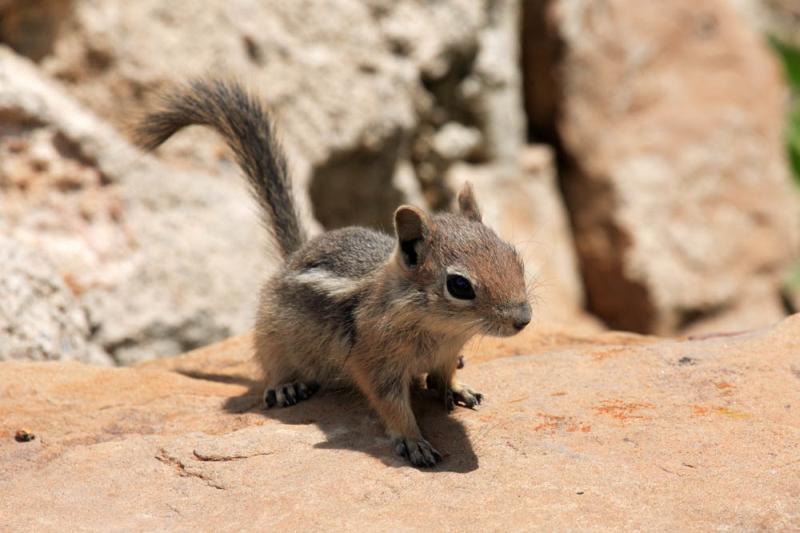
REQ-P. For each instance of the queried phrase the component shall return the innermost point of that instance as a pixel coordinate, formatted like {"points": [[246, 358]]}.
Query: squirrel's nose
{"points": [[522, 316]]}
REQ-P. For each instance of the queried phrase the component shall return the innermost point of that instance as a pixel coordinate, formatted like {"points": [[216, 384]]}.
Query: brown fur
{"points": [[357, 308]]}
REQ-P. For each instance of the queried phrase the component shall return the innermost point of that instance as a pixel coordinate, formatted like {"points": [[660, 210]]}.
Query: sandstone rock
{"points": [[582, 432], [40, 318], [679, 189], [522, 204], [162, 260]]}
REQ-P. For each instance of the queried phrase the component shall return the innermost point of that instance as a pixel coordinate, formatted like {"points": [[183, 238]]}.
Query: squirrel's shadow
{"points": [[349, 423]]}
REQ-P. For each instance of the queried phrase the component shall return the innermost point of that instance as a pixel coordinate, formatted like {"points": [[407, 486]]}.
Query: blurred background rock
{"points": [[636, 153]]}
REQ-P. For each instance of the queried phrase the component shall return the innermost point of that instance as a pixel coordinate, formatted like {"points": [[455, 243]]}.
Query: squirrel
{"points": [[356, 307]]}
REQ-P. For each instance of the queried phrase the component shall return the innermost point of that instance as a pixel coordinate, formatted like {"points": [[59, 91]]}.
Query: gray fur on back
{"points": [[348, 252]]}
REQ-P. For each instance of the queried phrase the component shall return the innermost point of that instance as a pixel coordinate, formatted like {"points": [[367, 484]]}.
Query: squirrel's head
{"points": [[468, 278]]}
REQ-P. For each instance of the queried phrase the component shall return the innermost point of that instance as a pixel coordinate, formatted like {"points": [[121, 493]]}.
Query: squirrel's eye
{"points": [[460, 287]]}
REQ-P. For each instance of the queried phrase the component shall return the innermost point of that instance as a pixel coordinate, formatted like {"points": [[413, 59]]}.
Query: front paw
{"points": [[417, 450], [462, 396]]}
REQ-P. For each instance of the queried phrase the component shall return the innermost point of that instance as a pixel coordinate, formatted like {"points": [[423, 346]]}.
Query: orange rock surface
{"points": [[578, 432]]}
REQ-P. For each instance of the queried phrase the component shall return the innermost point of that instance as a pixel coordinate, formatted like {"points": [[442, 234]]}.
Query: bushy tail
{"points": [[246, 126]]}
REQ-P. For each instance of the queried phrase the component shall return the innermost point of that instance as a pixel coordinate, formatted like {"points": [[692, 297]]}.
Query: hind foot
{"points": [[289, 394]]}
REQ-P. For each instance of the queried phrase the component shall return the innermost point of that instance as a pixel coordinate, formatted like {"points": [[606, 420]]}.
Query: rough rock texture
{"points": [[778, 18], [361, 89], [40, 318], [32, 26], [679, 190], [377, 100], [522, 205], [583, 432], [161, 260]]}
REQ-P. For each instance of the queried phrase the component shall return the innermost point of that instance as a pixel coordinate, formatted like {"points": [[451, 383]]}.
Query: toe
{"points": [[400, 448], [289, 395], [429, 454], [416, 457], [270, 398], [420, 453], [302, 391], [467, 397]]}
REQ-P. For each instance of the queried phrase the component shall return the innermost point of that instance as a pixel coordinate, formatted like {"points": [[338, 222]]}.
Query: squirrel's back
{"points": [[352, 252]]}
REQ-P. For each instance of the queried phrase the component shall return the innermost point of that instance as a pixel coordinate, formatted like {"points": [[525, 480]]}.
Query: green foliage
{"points": [[793, 136], [793, 282], [791, 61], [790, 57]]}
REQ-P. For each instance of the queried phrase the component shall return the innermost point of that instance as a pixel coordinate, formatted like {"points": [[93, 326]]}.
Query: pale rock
{"points": [[454, 141], [671, 121], [777, 18], [40, 317], [353, 84], [161, 260]]}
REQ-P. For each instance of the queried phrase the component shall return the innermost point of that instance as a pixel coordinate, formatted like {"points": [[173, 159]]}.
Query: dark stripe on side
{"points": [[338, 313]]}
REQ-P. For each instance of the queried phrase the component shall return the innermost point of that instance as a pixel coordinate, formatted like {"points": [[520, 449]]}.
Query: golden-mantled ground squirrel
{"points": [[353, 306]]}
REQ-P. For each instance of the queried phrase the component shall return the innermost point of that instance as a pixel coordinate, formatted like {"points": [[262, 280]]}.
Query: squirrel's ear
{"points": [[412, 226], [467, 203]]}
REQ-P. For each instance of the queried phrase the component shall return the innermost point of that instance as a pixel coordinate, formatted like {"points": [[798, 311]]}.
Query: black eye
{"points": [[460, 287]]}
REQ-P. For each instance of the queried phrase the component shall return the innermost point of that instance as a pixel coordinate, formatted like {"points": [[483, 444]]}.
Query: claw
{"points": [[270, 399], [289, 394], [467, 397], [418, 451]]}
